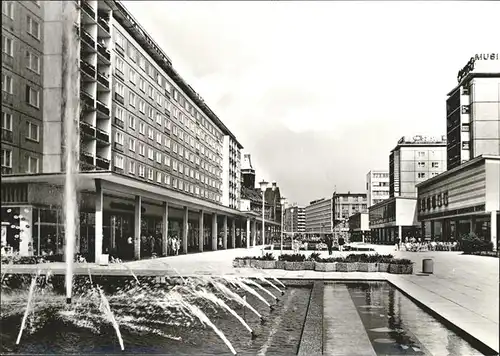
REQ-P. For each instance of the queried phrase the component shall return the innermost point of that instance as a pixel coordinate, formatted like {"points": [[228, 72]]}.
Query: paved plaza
{"points": [[463, 290]]}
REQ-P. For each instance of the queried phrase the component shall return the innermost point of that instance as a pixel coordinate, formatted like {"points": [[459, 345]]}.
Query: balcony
{"points": [[103, 22], [119, 123], [7, 135], [119, 98], [102, 136], [88, 39], [102, 163], [102, 110], [103, 80], [88, 69], [87, 100], [103, 51], [118, 146], [6, 170], [87, 158], [89, 10], [87, 129]]}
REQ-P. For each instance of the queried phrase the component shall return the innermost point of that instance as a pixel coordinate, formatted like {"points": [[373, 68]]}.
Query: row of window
{"points": [[32, 95], [164, 178], [423, 164], [32, 130], [8, 9], [423, 175], [33, 163]]}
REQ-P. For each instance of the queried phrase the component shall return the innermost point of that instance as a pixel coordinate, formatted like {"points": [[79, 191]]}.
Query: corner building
{"points": [[155, 160]]}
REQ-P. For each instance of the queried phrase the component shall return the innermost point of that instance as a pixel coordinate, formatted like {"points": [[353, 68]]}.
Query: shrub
{"points": [[471, 243], [401, 261], [292, 258], [314, 256]]}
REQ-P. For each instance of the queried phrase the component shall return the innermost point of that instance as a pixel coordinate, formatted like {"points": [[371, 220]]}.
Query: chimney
{"points": [[274, 185]]}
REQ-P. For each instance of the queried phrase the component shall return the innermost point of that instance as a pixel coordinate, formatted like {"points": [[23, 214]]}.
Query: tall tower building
{"points": [[413, 160], [247, 172], [473, 111], [377, 186]]}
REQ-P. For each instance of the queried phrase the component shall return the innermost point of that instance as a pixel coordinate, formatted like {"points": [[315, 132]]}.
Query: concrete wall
{"points": [[492, 185], [406, 212]]}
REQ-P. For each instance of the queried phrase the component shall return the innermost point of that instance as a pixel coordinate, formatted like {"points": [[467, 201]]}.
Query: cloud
{"points": [[320, 92]]}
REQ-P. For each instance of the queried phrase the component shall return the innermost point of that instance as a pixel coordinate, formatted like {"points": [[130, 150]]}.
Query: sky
{"points": [[320, 92]]}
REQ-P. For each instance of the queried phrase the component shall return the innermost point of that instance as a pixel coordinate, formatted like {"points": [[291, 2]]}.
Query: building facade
{"points": [[344, 205], [295, 219], [377, 187], [463, 200], [247, 172], [319, 218], [472, 109], [415, 160], [151, 152], [359, 228]]}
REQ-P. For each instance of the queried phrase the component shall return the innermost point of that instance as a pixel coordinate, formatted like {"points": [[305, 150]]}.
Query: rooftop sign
{"points": [[419, 139], [471, 65]]}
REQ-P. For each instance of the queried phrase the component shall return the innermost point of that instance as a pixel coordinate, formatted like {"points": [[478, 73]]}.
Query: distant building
{"points": [[377, 187], [319, 218], [359, 228], [247, 172], [344, 205], [413, 161], [295, 219], [472, 114]]}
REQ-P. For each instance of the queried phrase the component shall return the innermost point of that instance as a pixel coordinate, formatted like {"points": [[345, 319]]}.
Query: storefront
{"points": [[394, 218], [359, 228], [462, 201]]}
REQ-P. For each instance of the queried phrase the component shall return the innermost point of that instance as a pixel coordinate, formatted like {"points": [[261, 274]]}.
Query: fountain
{"points": [[71, 103]]}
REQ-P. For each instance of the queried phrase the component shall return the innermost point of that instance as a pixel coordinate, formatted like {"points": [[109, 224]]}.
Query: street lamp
{"points": [[283, 202], [291, 213], [263, 187]]}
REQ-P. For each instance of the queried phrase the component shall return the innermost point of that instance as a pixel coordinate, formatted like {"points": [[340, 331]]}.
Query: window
{"points": [[119, 64], [6, 83], [131, 144], [32, 131], [151, 134], [435, 164], [465, 145], [158, 177], [142, 106], [158, 157], [433, 174], [151, 154], [33, 62], [166, 160], [142, 128], [120, 40], [8, 9], [141, 170], [33, 164], [142, 84], [421, 164], [421, 175], [158, 118], [131, 122], [150, 91], [6, 158], [6, 121], [167, 179], [421, 154], [119, 138], [150, 174], [465, 127], [158, 138], [120, 89], [131, 99], [131, 52], [119, 161], [131, 76], [167, 142], [142, 63], [174, 165], [119, 113], [33, 27], [131, 167], [32, 96], [150, 113], [141, 149]]}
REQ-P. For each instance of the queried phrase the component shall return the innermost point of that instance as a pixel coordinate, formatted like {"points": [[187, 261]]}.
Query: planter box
{"points": [[347, 266], [309, 265], [367, 267], [280, 265], [263, 264], [238, 263], [294, 266], [400, 269], [383, 267], [325, 266]]}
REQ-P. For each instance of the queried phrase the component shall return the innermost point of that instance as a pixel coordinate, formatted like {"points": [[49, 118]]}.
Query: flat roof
{"points": [[387, 201], [139, 34], [470, 76], [466, 165]]}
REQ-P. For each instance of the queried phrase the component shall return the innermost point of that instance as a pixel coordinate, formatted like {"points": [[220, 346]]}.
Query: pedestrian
{"points": [[177, 246], [329, 244], [341, 243], [130, 247], [398, 244]]}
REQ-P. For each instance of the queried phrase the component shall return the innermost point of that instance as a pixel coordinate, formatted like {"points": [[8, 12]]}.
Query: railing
{"points": [[101, 20], [7, 135], [119, 122], [87, 68], [102, 135], [88, 9], [87, 99], [103, 80], [119, 98], [87, 38], [102, 108], [86, 157], [103, 51], [87, 128], [102, 163], [6, 170]]}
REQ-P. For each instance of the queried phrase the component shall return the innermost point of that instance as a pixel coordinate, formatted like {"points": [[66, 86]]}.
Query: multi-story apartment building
{"points": [[23, 44], [319, 218], [472, 109], [152, 153], [377, 186], [414, 160], [344, 205], [295, 219]]}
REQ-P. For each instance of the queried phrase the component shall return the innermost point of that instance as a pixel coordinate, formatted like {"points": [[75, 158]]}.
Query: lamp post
{"points": [[263, 187], [283, 202], [291, 213]]}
